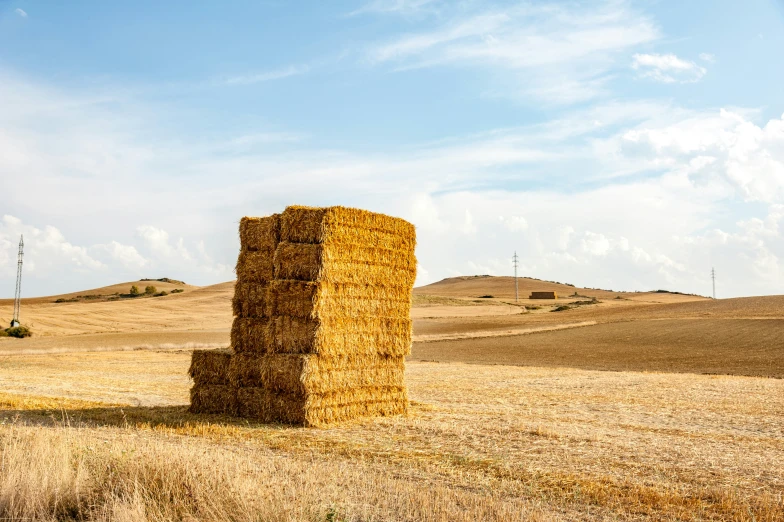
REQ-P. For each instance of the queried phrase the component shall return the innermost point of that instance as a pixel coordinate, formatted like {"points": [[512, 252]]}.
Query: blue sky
{"points": [[618, 144]]}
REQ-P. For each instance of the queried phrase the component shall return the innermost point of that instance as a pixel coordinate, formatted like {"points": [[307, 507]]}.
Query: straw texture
{"points": [[322, 320], [304, 375], [214, 398], [210, 366]]}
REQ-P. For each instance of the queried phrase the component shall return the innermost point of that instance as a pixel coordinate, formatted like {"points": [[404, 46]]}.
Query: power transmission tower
{"points": [[514, 262], [18, 293], [713, 277]]}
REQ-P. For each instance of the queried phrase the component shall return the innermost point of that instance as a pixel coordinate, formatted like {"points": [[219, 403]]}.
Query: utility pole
{"points": [[18, 293], [713, 277], [514, 262]]}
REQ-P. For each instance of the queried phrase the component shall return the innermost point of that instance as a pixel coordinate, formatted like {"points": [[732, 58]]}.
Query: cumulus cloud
{"points": [[667, 68], [47, 252]]}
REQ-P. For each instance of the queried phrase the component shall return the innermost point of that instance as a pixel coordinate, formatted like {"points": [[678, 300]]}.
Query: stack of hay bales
{"points": [[322, 326]]}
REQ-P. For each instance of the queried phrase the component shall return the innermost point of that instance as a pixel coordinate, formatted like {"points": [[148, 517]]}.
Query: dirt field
{"points": [[93, 422]]}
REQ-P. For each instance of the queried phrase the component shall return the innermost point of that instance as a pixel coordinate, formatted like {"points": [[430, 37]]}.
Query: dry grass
{"points": [[480, 443]]}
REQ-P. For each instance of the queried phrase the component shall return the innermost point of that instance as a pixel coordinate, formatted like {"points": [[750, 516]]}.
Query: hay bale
{"points": [[339, 263], [304, 375], [322, 327], [252, 300], [260, 233], [321, 300], [342, 225], [255, 266], [249, 334], [214, 398], [319, 410], [210, 366], [361, 337]]}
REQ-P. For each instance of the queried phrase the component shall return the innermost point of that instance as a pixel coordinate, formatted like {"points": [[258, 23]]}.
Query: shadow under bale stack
{"points": [[322, 305]]}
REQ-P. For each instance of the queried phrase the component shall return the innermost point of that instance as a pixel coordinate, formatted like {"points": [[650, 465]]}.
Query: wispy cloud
{"points": [[707, 57], [21, 12], [401, 7], [544, 46], [667, 68], [267, 76]]}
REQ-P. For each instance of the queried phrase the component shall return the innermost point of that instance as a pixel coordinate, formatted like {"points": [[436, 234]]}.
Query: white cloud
{"points": [[560, 54], [707, 57], [266, 76], [667, 68], [647, 179], [21, 12], [125, 255], [47, 253]]}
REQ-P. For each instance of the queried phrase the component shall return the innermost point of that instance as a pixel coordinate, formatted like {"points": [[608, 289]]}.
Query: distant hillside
{"points": [[504, 287]]}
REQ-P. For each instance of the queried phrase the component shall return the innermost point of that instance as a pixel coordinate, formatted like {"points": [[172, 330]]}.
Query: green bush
{"points": [[3, 333], [562, 308], [19, 332], [150, 290], [177, 291], [161, 294], [134, 291]]}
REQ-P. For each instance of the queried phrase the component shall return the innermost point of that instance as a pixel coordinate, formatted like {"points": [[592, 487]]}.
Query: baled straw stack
{"points": [[322, 327]]}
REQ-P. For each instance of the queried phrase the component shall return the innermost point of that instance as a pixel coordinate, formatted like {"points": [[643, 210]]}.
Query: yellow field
{"points": [[94, 426]]}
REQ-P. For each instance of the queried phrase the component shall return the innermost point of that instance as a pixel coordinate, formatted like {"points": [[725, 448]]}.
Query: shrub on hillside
{"points": [[19, 332], [134, 291], [150, 290], [177, 291], [3, 333]]}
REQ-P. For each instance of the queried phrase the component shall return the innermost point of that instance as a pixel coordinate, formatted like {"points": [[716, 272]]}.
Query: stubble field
{"points": [[689, 425]]}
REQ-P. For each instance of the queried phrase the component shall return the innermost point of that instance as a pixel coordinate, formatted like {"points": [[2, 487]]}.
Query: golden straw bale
{"points": [[210, 366], [318, 410], [260, 233], [255, 266], [252, 334], [344, 225], [329, 336], [252, 300], [309, 299], [303, 375], [338, 263], [214, 398]]}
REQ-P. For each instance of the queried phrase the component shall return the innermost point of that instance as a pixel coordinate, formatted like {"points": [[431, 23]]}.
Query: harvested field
{"points": [[529, 431], [484, 442], [716, 346]]}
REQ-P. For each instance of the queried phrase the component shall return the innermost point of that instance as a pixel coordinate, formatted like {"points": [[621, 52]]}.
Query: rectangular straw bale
{"points": [[260, 233], [252, 334], [310, 374], [214, 398], [255, 266], [340, 263], [333, 414], [358, 337], [252, 300], [316, 410], [342, 225], [210, 366], [309, 299]]}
